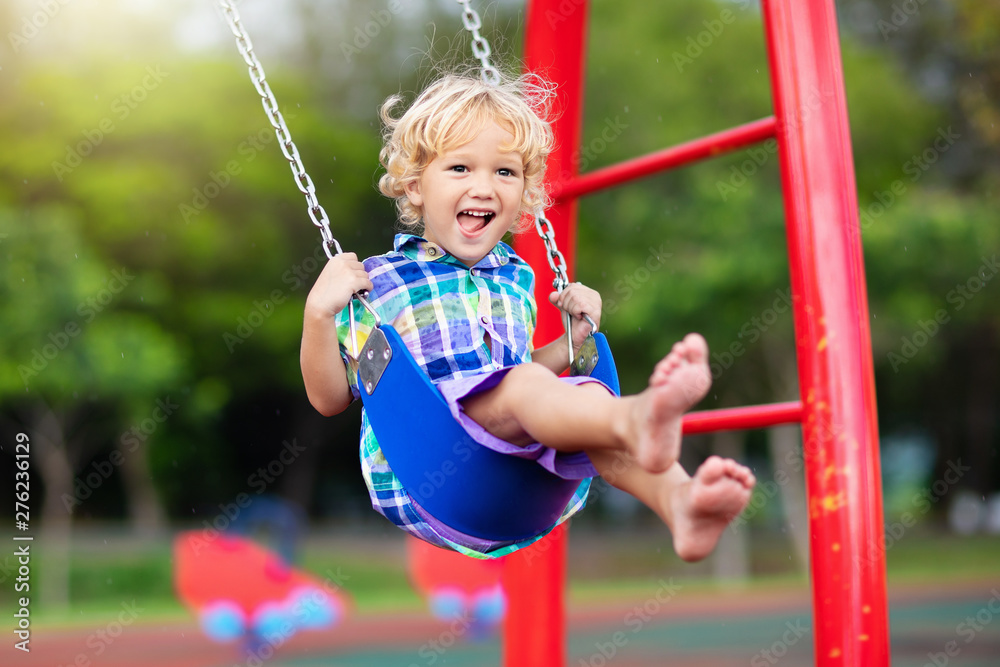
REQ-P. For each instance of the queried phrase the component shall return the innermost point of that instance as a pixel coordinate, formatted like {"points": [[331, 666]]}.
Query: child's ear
{"points": [[412, 190]]}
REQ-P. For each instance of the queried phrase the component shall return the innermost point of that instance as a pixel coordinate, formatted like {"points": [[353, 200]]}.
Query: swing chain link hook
{"points": [[480, 47], [302, 179]]}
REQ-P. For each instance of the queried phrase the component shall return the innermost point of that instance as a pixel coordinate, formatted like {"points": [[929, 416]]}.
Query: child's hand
{"points": [[340, 279], [578, 299]]}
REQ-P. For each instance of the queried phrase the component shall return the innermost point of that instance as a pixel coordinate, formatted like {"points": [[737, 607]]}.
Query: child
{"points": [[464, 163]]}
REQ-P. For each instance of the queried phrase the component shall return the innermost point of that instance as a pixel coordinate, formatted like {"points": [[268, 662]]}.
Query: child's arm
{"points": [[323, 370], [576, 299]]}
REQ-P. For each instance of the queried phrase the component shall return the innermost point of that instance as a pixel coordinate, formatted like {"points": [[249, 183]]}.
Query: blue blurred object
{"points": [[489, 606], [273, 622], [223, 621], [447, 604], [312, 608], [274, 522]]}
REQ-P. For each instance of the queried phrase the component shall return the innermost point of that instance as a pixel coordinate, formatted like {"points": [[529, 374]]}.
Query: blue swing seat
{"points": [[468, 487]]}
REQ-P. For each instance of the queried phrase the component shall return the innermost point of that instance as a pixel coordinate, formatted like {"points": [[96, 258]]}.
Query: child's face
{"points": [[470, 195]]}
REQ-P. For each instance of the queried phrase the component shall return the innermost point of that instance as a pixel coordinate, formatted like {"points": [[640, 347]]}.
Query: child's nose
{"points": [[481, 185]]}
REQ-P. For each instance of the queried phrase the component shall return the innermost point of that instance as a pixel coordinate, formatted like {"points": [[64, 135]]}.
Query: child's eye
{"points": [[460, 168], [506, 172]]}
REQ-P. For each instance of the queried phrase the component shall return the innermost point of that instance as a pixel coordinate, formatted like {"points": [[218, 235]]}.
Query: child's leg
{"points": [[531, 404], [697, 509]]}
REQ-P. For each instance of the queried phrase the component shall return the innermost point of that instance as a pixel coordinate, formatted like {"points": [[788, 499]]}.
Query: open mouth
{"points": [[472, 221]]}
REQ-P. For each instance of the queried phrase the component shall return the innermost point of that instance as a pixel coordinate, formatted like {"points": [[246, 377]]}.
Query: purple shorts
{"points": [[568, 465]]}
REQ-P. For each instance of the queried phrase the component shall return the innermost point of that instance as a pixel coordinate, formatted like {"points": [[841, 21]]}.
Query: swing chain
{"points": [[302, 180], [480, 47], [557, 262]]}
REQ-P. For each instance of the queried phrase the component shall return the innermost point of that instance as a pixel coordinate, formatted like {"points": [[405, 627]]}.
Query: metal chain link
{"points": [[480, 47], [302, 179], [490, 76], [557, 262]]}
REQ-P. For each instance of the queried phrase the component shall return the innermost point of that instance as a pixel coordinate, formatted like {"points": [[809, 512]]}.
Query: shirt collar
{"points": [[420, 249]]}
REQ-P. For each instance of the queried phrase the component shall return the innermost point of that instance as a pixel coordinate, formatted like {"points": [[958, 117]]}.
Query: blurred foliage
{"points": [[133, 142]]}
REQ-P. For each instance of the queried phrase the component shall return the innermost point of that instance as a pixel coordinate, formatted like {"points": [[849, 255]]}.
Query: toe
{"points": [[695, 347]]}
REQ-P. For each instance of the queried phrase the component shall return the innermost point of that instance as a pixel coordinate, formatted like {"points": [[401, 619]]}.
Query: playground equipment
{"points": [[515, 498], [837, 404], [241, 592], [832, 336], [464, 592]]}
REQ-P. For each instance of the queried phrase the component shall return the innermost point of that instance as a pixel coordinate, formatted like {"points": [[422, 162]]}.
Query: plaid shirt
{"points": [[456, 322]]}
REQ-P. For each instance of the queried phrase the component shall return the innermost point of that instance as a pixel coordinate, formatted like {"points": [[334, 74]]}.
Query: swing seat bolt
{"points": [[385, 354], [371, 354], [368, 387]]}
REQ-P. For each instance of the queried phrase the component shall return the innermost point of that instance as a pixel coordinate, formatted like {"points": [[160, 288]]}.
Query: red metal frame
{"points": [[534, 578], [833, 341], [668, 158]]}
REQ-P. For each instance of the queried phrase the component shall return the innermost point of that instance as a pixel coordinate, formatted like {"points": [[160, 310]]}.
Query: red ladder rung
{"points": [[732, 419], [668, 158]]}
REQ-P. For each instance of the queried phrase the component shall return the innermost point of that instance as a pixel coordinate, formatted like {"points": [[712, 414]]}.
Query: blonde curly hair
{"points": [[451, 112]]}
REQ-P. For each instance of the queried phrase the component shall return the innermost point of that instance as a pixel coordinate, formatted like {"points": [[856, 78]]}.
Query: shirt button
{"points": [[484, 319], [432, 251]]}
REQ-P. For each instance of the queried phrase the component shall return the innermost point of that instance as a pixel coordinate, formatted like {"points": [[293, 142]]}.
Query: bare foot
{"points": [[680, 380], [704, 506]]}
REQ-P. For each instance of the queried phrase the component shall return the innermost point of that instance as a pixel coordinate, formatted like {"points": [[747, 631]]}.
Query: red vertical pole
{"points": [[535, 578], [833, 341]]}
